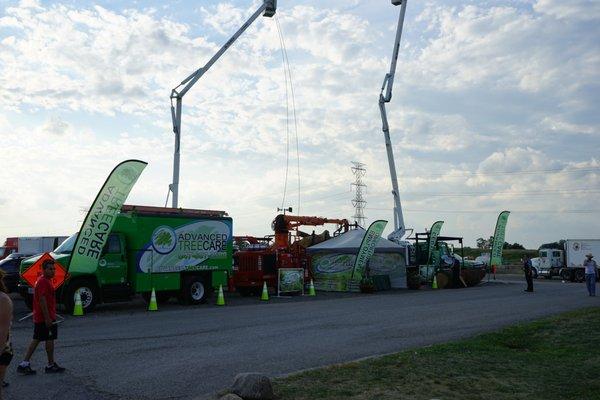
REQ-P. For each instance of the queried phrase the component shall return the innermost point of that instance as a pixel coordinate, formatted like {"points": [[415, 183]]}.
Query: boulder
{"points": [[252, 386], [231, 396]]}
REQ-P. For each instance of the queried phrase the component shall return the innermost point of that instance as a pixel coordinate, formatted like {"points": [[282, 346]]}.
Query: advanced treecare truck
{"points": [[181, 253], [568, 262]]}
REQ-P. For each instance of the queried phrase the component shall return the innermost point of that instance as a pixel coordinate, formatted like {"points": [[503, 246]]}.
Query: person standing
{"points": [[6, 316], [527, 267], [591, 271], [44, 321]]}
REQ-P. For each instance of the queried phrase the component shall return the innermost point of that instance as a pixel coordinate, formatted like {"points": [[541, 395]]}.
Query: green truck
{"points": [[181, 253]]}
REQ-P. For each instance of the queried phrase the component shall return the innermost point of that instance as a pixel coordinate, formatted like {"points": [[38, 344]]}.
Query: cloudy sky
{"points": [[495, 107]]}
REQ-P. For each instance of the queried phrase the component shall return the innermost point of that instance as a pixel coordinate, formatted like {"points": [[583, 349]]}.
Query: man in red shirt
{"points": [[44, 321]]}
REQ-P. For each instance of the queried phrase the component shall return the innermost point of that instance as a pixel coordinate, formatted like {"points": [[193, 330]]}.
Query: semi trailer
{"points": [[568, 261]]}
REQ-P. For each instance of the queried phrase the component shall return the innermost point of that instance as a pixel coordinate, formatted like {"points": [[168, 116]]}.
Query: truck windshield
{"points": [[67, 246]]}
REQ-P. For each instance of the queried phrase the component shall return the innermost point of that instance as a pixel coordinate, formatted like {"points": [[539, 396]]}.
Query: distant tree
{"points": [[554, 245], [481, 243], [514, 246]]}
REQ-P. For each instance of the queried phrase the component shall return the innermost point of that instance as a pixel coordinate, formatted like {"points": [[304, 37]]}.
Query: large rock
{"points": [[251, 386], [231, 396]]}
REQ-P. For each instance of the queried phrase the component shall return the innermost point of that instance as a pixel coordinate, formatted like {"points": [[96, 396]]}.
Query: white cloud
{"points": [[484, 89]]}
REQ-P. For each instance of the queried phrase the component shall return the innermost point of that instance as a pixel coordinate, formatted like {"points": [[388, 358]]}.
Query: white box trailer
{"points": [[568, 263], [38, 244]]}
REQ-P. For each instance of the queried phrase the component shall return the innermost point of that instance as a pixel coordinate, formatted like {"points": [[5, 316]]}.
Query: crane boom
{"points": [[388, 83], [267, 8]]}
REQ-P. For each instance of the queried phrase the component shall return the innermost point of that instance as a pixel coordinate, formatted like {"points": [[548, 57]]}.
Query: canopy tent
{"points": [[333, 262]]}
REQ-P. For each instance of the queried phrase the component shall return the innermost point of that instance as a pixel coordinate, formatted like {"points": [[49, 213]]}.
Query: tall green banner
{"points": [[498, 244], [434, 232], [367, 246], [102, 214]]}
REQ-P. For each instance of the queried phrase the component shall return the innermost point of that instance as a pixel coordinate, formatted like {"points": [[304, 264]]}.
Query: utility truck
{"points": [[30, 245], [568, 262], [181, 253]]}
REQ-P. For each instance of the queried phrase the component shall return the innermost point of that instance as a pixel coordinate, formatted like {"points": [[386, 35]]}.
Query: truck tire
{"points": [[29, 301], [565, 274], [88, 291], [580, 275], [194, 290]]}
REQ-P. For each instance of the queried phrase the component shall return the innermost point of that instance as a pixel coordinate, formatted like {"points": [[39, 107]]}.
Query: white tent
{"points": [[333, 261]]}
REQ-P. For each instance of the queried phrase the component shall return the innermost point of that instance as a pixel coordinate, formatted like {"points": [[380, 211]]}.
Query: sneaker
{"points": [[53, 369], [25, 370]]}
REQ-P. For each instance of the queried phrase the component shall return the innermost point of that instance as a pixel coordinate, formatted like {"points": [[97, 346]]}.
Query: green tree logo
{"points": [[164, 239]]}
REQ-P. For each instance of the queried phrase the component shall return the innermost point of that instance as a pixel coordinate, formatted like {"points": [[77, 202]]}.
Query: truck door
{"points": [[112, 266]]}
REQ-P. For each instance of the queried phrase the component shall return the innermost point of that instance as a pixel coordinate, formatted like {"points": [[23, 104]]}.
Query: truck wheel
{"points": [[195, 290], [580, 275], [88, 293], [245, 291], [565, 274], [29, 301]]}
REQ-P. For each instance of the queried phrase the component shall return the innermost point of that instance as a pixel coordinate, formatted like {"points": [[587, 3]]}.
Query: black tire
{"points": [[194, 290], [245, 291], [88, 292], [413, 279], [565, 275], [29, 301], [580, 275]]}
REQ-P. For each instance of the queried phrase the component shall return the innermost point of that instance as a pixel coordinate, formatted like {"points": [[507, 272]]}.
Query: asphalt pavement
{"points": [[122, 351]]}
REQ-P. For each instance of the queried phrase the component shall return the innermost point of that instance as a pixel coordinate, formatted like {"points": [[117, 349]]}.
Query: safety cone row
{"points": [[78, 308], [153, 306], [434, 283], [265, 293], [311, 289], [220, 297]]}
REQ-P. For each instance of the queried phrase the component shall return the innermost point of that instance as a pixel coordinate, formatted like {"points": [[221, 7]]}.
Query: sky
{"points": [[495, 107]]}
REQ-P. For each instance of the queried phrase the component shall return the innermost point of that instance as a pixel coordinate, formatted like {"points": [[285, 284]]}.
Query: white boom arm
{"points": [[388, 83], [268, 9]]}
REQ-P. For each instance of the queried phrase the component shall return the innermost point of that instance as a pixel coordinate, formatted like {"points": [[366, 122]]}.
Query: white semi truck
{"points": [[568, 262]]}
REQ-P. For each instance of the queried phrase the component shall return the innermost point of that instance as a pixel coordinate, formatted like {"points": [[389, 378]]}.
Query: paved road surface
{"points": [[123, 352]]}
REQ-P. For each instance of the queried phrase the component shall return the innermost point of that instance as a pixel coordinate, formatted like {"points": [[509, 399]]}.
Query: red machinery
{"points": [[260, 261]]}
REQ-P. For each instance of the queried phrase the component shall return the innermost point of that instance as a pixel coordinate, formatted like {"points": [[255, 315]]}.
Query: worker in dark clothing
{"points": [[527, 267], [456, 274]]}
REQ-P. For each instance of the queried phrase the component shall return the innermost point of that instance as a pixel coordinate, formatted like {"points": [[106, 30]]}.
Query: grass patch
{"points": [[553, 358]]}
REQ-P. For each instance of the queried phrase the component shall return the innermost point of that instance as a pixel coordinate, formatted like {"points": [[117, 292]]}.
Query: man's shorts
{"points": [[6, 357], [42, 333]]}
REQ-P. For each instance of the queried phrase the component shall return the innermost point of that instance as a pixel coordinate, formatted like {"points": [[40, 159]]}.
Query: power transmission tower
{"points": [[358, 169]]}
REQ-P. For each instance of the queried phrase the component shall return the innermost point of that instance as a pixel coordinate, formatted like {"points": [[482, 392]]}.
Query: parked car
{"points": [[10, 265]]}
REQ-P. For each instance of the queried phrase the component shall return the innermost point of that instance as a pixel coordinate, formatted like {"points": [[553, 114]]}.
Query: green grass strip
{"points": [[553, 358]]}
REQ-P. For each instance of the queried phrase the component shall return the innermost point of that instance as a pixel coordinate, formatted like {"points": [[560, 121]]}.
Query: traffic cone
{"points": [[265, 293], [153, 306], [311, 289], [220, 297], [434, 283], [78, 309]]}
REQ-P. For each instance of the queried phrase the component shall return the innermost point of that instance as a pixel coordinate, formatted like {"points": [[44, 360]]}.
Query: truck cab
{"points": [[550, 262]]}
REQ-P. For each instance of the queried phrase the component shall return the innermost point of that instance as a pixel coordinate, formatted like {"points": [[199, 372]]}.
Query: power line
{"points": [[533, 171], [496, 211]]}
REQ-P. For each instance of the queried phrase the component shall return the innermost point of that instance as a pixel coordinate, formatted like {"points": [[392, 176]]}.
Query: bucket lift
{"points": [[385, 96], [267, 9]]}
